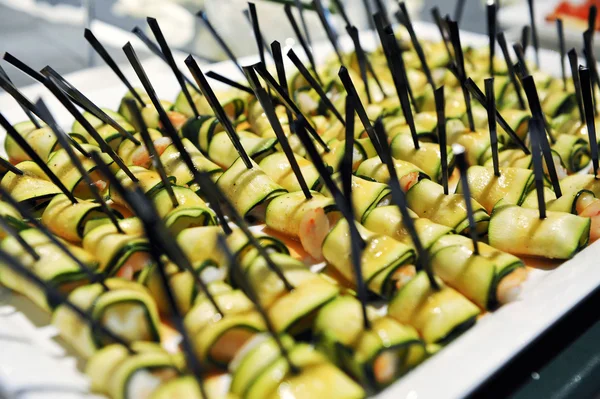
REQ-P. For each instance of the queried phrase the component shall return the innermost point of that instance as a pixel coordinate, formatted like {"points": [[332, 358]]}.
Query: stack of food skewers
{"points": [[311, 233]]}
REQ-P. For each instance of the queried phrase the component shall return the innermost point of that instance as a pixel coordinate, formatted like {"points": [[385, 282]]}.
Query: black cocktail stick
{"points": [[61, 136], [213, 190], [27, 214], [11, 168], [534, 33], [572, 55], [285, 99], [461, 163], [356, 241], [11, 231], [229, 82], [281, 77], [250, 291], [491, 113], [342, 11], [491, 29], [525, 38], [219, 39], [315, 85], [261, 44], [404, 18], [592, 15], [349, 133], [458, 10], [215, 105], [460, 63], [329, 30], [51, 84], [186, 342], [57, 296], [437, 19], [440, 108], [300, 6], [26, 147], [510, 68], [29, 114], [590, 58], [99, 48], [561, 47], [586, 91], [536, 110], [400, 201], [536, 129], [267, 105], [166, 50], [381, 9], [145, 210], [406, 110], [23, 67], [360, 109], [149, 144], [522, 63], [364, 63], [156, 51], [305, 47], [78, 98], [369, 13]]}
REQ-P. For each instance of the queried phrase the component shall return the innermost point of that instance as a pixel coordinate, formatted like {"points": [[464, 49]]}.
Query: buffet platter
{"points": [[550, 291]]}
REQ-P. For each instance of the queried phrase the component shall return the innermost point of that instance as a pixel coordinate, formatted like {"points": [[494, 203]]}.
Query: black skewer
{"points": [[61, 136], [460, 61], [11, 168], [491, 28], [260, 41], [315, 85], [219, 39], [217, 109], [369, 13], [404, 18], [458, 10], [561, 47], [523, 70], [281, 77], [229, 82], [349, 133], [99, 48], [590, 58], [406, 110], [329, 30], [78, 98], [28, 113], [437, 19], [166, 50], [380, 6], [536, 129], [534, 33], [491, 113], [511, 70], [272, 83], [592, 15], [267, 105], [27, 214], [300, 6], [52, 85], [23, 67], [360, 109], [400, 201], [26, 147], [481, 98], [305, 47], [461, 163], [364, 63], [342, 11], [154, 156], [356, 242], [440, 108], [586, 91], [253, 296], [572, 55], [57, 296], [536, 109], [168, 244], [157, 52], [525, 38]]}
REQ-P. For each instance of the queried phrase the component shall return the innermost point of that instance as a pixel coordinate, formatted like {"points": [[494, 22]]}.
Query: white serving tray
{"points": [[456, 371]]}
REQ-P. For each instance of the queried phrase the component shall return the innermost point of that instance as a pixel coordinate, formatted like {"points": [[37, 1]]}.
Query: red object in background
{"points": [[575, 13]]}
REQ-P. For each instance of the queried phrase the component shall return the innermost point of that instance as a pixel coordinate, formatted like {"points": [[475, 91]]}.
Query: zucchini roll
{"points": [[108, 133], [42, 140], [520, 231], [518, 120], [54, 267], [250, 190], [488, 279], [511, 187], [408, 174], [376, 357], [216, 386], [477, 145], [217, 339], [222, 151], [192, 211], [513, 158], [68, 220], [200, 131], [362, 150], [427, 200], [126, 309], [387, 220], [32, 187], [138, 155], [116, 373], [122, 255], [261, 372], [573, 151], [558, 102], [13, 217], [148, 180], [13, 150], [175, 166], [578, 182], [149, 113], [382, 257], [439, 316], [278, 168], [425, 124], [427, 157]]}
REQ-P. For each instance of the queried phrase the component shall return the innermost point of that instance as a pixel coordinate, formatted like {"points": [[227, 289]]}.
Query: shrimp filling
{"points": [[385, 366], [228, 344]]}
